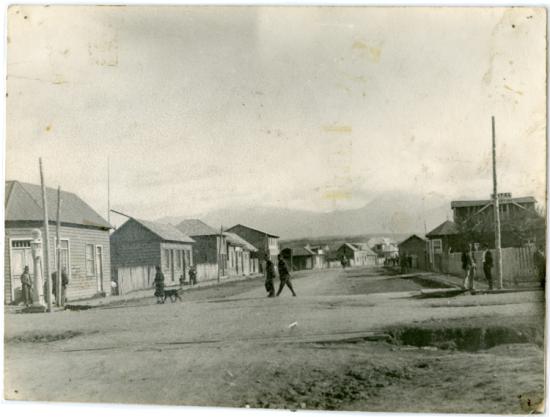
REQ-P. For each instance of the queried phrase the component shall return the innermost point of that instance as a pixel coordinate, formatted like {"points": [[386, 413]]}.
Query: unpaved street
{"points": [[356, 340]]}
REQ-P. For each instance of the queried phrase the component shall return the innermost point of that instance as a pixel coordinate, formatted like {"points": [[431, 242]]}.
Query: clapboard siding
{"points": [[80, 285]]}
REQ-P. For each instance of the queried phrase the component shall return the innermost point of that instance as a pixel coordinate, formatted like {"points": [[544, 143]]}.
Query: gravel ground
{"points": [[231, 346]]}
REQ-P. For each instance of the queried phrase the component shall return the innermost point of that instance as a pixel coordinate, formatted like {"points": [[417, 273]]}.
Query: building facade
{"points": [[138, 246], [84, 241]]}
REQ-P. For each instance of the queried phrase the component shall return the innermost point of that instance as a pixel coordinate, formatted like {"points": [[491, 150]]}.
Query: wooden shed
{"points": [[415, 247], [138, 246]]}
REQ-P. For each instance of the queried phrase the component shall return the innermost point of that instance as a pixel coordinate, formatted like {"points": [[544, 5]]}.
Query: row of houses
{"points": [[374, 252], [94, 257], [473, 224]]}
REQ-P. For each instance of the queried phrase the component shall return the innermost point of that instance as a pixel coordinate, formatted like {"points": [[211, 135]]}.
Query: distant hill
{"points": [[399, 214]]}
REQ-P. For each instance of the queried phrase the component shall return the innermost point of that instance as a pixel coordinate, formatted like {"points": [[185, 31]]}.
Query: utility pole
{"points": [[109, 191], [58, 289], [46, 240], [496, 210], [220, 261]]}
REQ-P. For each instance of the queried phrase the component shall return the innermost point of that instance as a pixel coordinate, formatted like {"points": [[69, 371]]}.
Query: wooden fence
{"points": [[517, 266]]}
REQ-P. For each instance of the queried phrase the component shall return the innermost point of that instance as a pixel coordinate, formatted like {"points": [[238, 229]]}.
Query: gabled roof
{"points": [[196, 227], [360, 247], [300, 251], [251, 228], [446, 228], [236, 240], [23, 202], [479, 203], [164, 231], [410, 238]]}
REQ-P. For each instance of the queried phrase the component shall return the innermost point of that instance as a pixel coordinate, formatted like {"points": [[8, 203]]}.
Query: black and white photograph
{"points": [[299, 208]]}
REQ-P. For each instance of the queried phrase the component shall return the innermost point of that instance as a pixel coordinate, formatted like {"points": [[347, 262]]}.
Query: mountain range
{"points": [[387, 214]]}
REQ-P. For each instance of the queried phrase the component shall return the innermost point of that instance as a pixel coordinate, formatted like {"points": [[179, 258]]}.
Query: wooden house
{"points": [[266, 243], [442, 240], [209, 250], [358, 254], [298, 258], [84, 240], [239, 256], [138, 246], [415, 247]]}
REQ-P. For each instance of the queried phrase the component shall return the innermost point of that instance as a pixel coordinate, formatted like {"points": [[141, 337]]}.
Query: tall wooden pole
{"points": [[58, 288], [109, 191], [220, 261], [496, 211], [46, 242]]}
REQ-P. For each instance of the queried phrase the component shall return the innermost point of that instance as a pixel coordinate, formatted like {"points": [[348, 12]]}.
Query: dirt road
{"points": [[338, 345]]}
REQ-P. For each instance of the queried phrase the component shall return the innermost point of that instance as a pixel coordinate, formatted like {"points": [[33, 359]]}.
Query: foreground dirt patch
{"points": [[44, 337]]}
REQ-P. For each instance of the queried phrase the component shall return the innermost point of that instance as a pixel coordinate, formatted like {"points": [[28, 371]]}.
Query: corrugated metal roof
{"points": [[23, 202], [446, 228], [481, 203], [196, 227], [236, 240], [165, 231]]}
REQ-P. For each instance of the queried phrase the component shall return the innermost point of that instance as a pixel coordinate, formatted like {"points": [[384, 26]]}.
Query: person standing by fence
{"points": [[488, 266], [159, 285], [470, 265]]}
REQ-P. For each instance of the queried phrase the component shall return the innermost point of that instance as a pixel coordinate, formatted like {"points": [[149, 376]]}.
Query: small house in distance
{"points": [[415, 247], [443, 239], [138, 246], [298, 258], [358, 254], [84, 240]]}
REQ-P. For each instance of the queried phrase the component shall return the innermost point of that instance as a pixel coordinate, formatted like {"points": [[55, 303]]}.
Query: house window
{"points": [[64, 254], [178, 259], [437, 246], [90, 260], [167, 258]]}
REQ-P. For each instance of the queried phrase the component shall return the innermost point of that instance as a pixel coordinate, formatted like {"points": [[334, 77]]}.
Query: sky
{"points": [[310, 108]]}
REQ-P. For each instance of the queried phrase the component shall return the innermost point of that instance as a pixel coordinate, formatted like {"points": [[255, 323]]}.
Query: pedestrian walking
{"points": [[26, 286], [488, 265], [284, 277], [269, 277], [159, 285], [470, 269]]}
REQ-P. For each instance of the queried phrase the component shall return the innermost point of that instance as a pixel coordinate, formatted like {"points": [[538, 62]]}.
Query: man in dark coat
{"points": [[269, 277], [192, 275], [284, 277], [26, 285], [159, 285], [488, 266]]}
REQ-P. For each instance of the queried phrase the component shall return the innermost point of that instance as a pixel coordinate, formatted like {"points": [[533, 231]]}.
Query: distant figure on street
{"points": [[159, 285], [64, 283], [192, 275], [269, 277], [488, 265], [470, 268], [26, 286], [284, 277], [344, 261], [540, 265]]}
